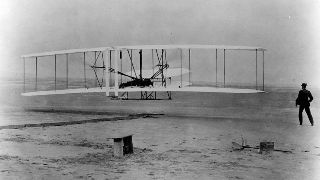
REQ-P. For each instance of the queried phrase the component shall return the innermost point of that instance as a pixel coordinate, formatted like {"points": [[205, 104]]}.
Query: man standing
{"points": [[303, 100]]}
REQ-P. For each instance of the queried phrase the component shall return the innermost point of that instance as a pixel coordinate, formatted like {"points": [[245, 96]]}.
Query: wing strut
{"points": [[121, 66], [84, 69], [256, 69], [36, 73], [67, 69], [116, 80], [110, 65], [166, 65], [224, 67], [55, 72], [262, 70], [189, 66], [94, 69], [152, 61], [140, 52], [103, 72], [216, 67], [162, 76], [24, 75], [181, 68], [107, 75]]}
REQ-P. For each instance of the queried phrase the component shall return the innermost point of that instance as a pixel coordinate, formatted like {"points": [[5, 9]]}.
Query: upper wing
{"points": [[190, 46]]}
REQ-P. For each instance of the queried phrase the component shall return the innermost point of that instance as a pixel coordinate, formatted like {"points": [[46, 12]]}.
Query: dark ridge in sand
{"points": [[87, 112], [82, 143], [64, 123], [144, 115], [71, 111]]}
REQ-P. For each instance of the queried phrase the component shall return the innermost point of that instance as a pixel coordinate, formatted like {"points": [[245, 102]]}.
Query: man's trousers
{"points": [[307, 109]]}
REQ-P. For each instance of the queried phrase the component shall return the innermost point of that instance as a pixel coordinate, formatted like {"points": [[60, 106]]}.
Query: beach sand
{"points": [[164, 148], [189, 137]]}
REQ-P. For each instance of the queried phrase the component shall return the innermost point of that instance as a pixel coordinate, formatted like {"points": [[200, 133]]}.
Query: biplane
{"points": [[116, 83]]}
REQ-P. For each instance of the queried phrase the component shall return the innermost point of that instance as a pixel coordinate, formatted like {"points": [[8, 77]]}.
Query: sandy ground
{"points": [[164, 148], [192, 140]]}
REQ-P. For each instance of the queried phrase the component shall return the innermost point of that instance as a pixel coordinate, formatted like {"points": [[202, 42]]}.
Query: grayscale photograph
{"points": [[160, 89]]}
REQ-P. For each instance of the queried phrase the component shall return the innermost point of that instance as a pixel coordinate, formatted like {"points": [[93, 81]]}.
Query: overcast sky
{"points": [[288, 29]]}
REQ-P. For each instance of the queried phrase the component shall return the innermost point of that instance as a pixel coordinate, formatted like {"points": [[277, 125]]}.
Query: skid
{"points": [[145, 95]]}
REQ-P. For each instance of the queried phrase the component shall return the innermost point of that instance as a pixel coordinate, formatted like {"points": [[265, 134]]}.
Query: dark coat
{"points": [[304, 98]]}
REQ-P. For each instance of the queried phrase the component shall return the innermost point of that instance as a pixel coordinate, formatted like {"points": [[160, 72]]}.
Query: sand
{"points": [[164, 148], [189, 137]]}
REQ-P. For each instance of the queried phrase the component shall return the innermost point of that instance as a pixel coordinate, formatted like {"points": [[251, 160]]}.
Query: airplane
{"points": [[147, 82]]}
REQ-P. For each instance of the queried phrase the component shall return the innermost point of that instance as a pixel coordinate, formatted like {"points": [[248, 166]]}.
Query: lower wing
{"points": [[149, 89]]}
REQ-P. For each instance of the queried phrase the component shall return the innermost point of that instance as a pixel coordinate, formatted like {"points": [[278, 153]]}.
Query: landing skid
{"points": [[145, 95]]}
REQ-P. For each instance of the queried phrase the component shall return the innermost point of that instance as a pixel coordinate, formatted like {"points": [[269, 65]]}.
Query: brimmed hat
{"points": [[304, 84]]}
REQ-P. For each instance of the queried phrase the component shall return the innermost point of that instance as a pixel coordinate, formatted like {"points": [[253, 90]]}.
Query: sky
{"points": [[288, 29]]}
